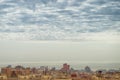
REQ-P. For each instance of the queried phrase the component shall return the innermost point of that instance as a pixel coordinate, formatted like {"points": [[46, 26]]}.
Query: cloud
{"points": [[58, 19]]}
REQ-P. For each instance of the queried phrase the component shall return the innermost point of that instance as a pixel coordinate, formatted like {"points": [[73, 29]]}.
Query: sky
{"points": [[59, 30], [61, 51]]}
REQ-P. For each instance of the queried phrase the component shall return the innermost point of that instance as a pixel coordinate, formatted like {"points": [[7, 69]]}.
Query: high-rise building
{"points": [[66, 67], [87, 69]]}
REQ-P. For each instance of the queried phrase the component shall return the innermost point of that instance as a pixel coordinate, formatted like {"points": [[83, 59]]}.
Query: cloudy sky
{"points": [[59, 19], [87, 22]]}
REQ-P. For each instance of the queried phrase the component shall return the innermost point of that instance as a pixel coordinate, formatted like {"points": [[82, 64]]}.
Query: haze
{"points": [[38, 51]]}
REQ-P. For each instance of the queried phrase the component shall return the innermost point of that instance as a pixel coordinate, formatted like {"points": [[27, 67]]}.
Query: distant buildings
{"points": [[14, 72], [88, 69], [65, 67], [65, 73]]}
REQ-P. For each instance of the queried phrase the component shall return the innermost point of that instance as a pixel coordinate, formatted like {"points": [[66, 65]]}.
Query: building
{"points": [[66, 67], [88, 69], [14, 72]]}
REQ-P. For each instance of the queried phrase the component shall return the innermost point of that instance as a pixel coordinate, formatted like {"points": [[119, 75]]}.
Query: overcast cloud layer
{"points": [[59, 19]]}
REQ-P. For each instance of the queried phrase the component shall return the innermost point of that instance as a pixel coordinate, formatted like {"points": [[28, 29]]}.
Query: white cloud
{"points": [[61, 19], [1, 1], [60, 0]]}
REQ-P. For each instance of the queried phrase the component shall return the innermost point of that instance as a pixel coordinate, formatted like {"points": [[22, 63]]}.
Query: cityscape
{"points": [[59, 39], [66, 72]]}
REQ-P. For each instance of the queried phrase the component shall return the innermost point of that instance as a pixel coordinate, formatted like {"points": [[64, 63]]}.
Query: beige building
{"points": [[12, 72]]}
